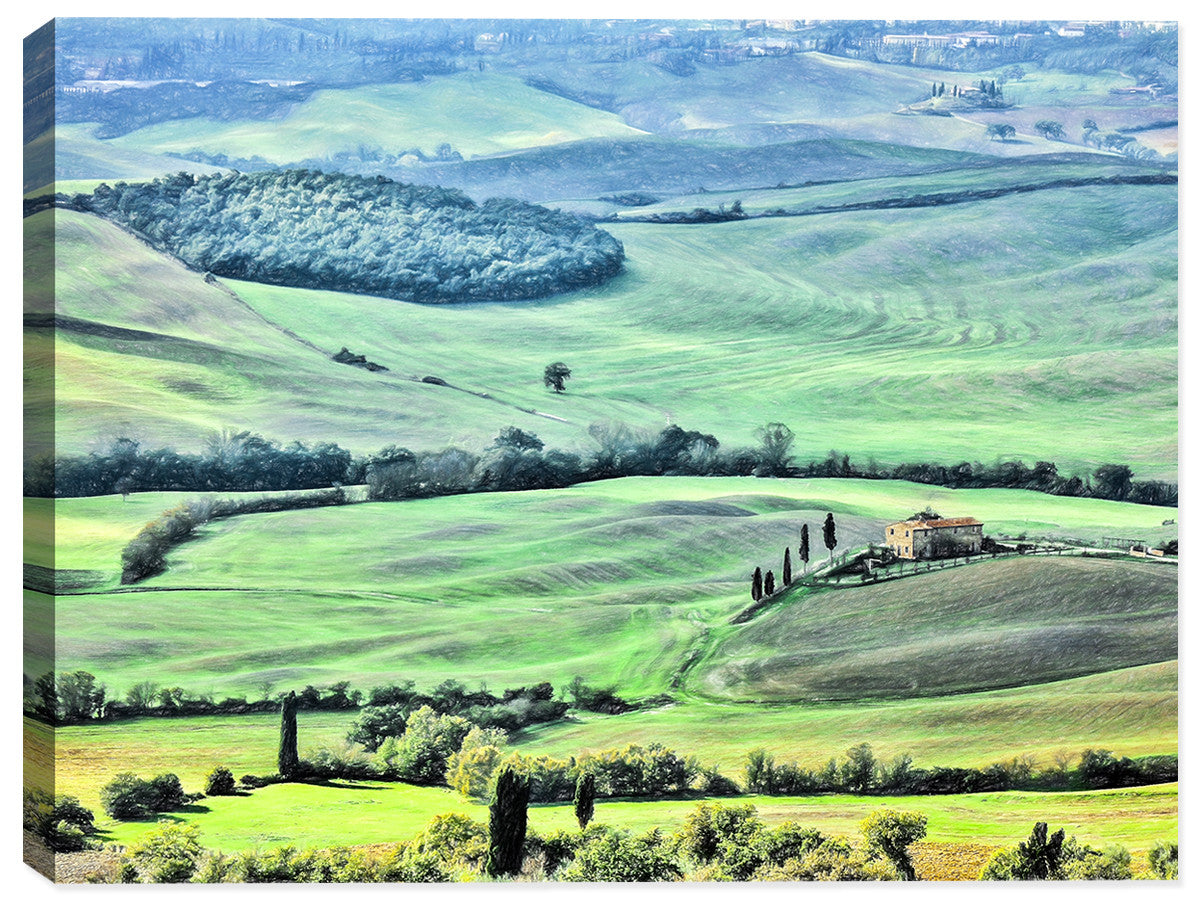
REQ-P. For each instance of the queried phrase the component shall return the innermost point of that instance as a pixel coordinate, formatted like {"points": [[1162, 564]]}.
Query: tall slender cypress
{"points": [[803, 554], [787, 566], [769, 583], [506, 826], [756, 585], [830, 534], [585, 799], [289, 757]]}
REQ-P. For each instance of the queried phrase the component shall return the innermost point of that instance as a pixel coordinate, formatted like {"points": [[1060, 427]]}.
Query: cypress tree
{"points": [[787, 566], [509, 814], [289, 757], [830, 535], [804, 545], [769, 583], [585, 799], [756, 585]]}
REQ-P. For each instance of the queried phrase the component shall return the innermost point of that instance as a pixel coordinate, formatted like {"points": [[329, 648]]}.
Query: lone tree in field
{"points": [[585, 799], [1001, 130], [289, 757], [830, 534], [769, 583], [1049, 129], [803, 551], [756, 585], [787, 566], [506, 827], [556, 376]]}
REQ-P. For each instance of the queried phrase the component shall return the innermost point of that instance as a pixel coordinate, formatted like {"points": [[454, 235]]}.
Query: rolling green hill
{"points": [[868, 332], [621, 581]]}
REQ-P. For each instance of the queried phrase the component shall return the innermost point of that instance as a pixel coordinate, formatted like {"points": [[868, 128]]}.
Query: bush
{"points": [[455, 839], [834, 859], [345, 762], [62, 824], [130, 797], [606, 855], [220, 783], [168, 854], [1164, 860], [1114, 864]]}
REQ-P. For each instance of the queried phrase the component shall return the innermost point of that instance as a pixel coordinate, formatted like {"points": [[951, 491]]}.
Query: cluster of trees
{"points": [[427, 747], [129, 797], [363, 235], [230, 461], [859, 772], [389, 709]]}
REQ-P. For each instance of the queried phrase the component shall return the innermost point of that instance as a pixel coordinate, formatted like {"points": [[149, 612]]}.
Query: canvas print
{"points": [[600, 450]]}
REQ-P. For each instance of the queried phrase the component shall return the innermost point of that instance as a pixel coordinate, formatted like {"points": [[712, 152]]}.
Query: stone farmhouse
{"points": [[932, 537]]}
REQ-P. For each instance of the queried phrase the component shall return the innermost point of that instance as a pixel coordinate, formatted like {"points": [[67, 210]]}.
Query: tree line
{"points": [[310, 229], [518, 460], [860, 772], [78, 697]]}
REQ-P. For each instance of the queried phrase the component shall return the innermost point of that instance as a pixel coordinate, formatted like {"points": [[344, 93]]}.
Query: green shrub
{"points": [[455, 840], [130, 797], [169, 854], [835, 859], [220, 783], [1113, 864], [607, 855], [1164, 860]]}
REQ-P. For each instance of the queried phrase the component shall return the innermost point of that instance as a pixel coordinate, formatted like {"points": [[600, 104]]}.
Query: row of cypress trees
{"points": [[764, 585]]}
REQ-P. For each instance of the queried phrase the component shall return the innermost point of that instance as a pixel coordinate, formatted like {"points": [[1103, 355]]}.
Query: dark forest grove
{"points": [[474, 444], [364, 235]]}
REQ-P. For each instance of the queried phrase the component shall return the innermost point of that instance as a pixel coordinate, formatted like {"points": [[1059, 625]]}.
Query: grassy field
{"points": [[476, 113], [369, 813], [509, 588], [863, 331]]}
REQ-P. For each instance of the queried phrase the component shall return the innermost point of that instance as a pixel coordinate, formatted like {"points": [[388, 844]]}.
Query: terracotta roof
{"points": [[924, 524]]}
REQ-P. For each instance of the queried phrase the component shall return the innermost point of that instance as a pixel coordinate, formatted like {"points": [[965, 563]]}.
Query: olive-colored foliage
{"points": [[168, 854], [1164, 860], [891, 832], [456, 840], [1050, 857], [834, 859], [608, 855]]}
